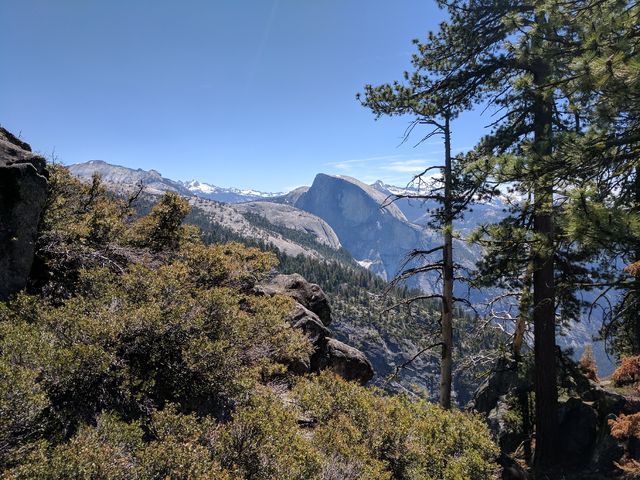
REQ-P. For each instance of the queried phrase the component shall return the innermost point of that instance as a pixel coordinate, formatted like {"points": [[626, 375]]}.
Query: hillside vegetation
{"points": [[140, 352], [373, 316]]}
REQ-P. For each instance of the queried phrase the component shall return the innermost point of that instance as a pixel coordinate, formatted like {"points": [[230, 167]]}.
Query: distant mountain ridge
{"points": [[227, 195], [345, 212], [155, 183], [290, 230]]}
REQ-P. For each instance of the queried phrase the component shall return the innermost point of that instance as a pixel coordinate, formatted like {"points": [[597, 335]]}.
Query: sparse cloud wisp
{"points": [[391, 169]]}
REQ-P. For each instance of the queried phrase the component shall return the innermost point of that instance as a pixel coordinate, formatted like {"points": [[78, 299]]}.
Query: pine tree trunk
{"points": [[524, 309], [543, 274], [446, 364], [635, 316], [545, 340]]}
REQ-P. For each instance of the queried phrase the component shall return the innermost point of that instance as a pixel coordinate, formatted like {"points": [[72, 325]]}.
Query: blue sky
{"points": [[246, 93]]}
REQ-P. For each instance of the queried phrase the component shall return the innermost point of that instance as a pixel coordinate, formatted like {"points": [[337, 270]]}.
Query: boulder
{"points": [[305, 293], [578, 428], [304, 319], [502, 380], [23, 193], [500, 423], [311, 313], [348, 362]]}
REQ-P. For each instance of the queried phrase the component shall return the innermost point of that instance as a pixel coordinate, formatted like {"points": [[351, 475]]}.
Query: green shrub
{"points": [[162, 228], [412, 439], [77, 213], [177, 448], [263, 441]]}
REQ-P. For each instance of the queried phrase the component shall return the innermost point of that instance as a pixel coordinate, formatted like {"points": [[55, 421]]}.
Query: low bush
{"points": [[628, 373], [381, 436]]}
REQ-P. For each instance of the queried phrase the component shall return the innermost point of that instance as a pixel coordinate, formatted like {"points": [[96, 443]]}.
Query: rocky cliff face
{"points": [[293, 218], [377, 237], [312, 314], [23, 192]]}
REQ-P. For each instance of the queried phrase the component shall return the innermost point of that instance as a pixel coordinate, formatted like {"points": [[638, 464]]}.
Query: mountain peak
{"points": [[156, 183]]}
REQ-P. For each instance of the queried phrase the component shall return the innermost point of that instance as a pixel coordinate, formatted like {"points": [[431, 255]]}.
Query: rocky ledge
{"points": [[586, 446], [23, 193], [311, 313]]}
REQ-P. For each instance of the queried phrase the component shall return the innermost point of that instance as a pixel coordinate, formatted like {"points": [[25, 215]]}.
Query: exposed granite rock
{"points": [[309, 323], [348, 362], [507, 437], [585, 445], [307, 294], [293, 218], [312, 314], [378, 237], [502, 380], [23, 193]]}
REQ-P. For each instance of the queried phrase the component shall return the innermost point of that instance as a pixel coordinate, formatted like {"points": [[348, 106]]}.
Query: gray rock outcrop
{"points": [[304, 319], [348, 362], [585, 444], [294, 219], [379, 238], [23, 193], [502, 380], [311, 313], [305, 293]]}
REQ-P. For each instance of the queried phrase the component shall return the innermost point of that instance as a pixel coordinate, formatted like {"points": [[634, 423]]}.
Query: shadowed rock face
{"points": [[311, 313], [23, 192], [348, 362], [304, 319], [381, 237], [305, 293]]}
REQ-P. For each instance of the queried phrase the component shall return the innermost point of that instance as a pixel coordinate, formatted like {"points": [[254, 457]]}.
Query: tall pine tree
{"points": [[450, 190], [604, 214], [514, 56]]}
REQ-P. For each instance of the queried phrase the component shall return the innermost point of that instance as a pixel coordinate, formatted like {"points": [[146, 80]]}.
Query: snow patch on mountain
{"points": [[206, 189]]}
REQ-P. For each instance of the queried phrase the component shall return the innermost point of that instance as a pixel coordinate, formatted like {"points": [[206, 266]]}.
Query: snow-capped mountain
{"points": [[155, 183], [227, 195]]}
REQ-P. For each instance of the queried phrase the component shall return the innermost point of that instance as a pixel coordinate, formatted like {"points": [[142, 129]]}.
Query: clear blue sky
{"points": [[246, 93]]}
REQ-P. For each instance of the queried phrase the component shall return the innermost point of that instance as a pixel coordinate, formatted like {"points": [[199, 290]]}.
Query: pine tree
{"points": [[451, 191], [603, 215], [515, 56]]}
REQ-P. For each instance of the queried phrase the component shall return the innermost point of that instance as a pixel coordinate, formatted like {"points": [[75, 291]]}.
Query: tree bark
{"points": [[635, 316], [524, 310], [544, 324], [446, 364], [545, 340]]}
